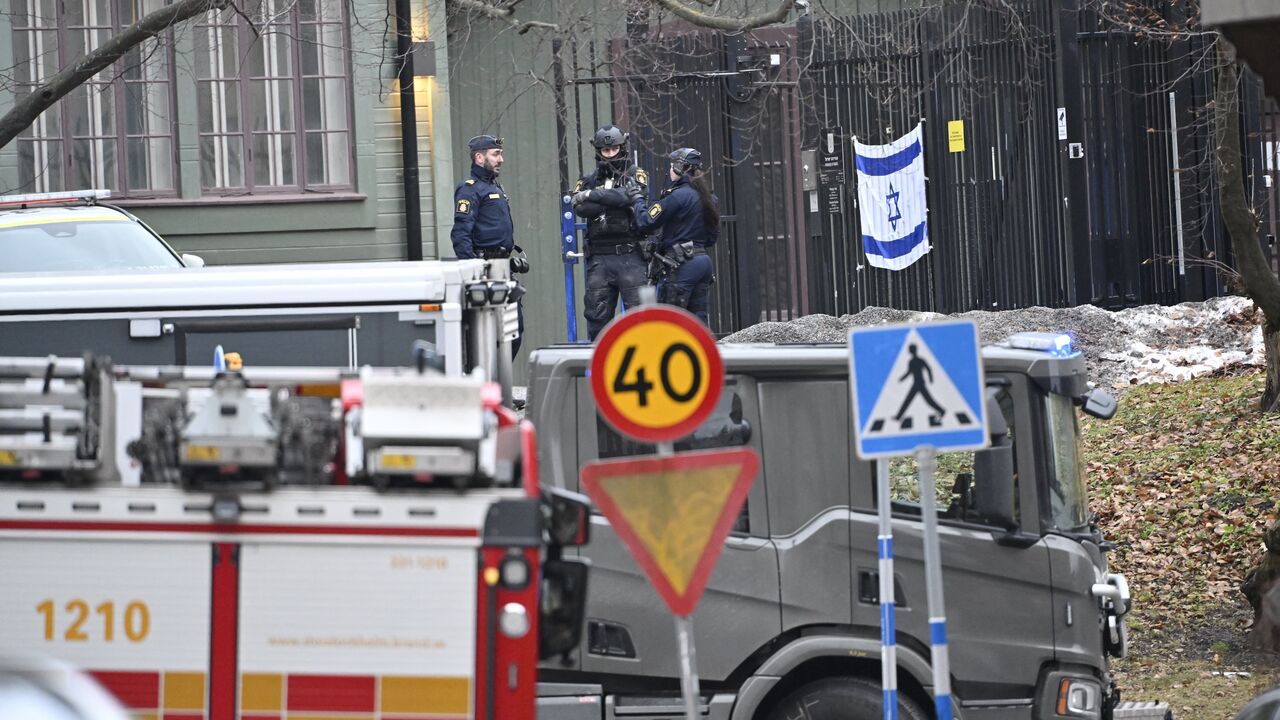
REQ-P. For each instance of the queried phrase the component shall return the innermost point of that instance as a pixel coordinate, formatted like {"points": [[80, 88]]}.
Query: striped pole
{"points": [[927, 461], [888, 629], [569, 254]]}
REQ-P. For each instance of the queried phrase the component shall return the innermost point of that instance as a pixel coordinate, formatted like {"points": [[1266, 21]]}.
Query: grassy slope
{"points": [[1185, 478]]}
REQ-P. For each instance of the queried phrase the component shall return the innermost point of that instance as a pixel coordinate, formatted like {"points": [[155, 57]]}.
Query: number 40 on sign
{"points": [[656, 374]]}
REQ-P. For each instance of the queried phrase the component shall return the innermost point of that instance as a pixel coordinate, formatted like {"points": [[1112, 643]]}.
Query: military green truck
{"points": [[788, 627]]}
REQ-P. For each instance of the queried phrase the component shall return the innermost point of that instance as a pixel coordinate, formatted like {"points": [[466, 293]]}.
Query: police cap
{"points": [[481, 143]]}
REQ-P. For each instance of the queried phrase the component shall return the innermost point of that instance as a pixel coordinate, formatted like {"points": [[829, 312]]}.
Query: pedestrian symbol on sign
{"points": [[917, 385], [916, 370]]}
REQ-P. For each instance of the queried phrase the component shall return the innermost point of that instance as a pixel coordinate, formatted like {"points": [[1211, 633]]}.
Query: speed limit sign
{"points": [[656, 373]]}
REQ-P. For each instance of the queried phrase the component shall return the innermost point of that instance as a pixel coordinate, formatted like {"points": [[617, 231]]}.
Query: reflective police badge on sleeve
{"points": [[464, 206], [655, 211]]}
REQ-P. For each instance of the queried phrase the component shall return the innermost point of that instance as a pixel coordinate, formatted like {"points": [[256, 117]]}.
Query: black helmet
{"points": [[611, 136], [686, 160]]}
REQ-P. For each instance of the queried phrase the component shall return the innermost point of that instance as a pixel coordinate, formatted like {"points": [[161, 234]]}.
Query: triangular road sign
{"points": [[673, 513]]}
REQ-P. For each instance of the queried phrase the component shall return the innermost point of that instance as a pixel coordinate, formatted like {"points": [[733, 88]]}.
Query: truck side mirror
{"points": [[566, 517], [562, 606], [1100, 404]]}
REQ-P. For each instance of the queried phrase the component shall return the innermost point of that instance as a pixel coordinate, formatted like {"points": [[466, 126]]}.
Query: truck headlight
{"points": [[513, 621], [1079, 697], [515, 572]]}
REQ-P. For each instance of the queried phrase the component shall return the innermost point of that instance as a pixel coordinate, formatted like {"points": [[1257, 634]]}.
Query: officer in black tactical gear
{"points": [[482, 226], [603, 198]]}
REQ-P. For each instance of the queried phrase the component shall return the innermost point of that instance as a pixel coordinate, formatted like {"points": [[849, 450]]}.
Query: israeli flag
{"points": [[891, 201]]}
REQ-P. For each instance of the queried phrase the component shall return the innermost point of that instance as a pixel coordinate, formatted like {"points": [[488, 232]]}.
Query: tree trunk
{"points": [[1262, 588], [1262, 585], [1260, 282], [1271, 347]]}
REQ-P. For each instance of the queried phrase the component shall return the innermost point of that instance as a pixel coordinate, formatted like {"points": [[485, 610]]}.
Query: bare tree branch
{"points": [[728, 24], [42, 97], [503, 13]]}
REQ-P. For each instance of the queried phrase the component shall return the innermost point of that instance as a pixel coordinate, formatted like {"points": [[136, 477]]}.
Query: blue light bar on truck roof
{"points": [[1056, 344]]}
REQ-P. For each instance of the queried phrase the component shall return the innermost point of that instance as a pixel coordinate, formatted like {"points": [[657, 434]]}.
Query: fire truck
{"points": [[265, 543]]}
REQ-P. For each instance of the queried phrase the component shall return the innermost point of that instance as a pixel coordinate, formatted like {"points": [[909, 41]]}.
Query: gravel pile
{"points": [[1145, 344]]}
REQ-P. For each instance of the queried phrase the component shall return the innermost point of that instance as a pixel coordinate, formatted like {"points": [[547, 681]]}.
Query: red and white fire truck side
{"points": [[281, 544]]}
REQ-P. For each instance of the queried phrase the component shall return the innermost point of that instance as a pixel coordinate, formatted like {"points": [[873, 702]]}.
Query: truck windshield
{"points": [[1067, 500]]}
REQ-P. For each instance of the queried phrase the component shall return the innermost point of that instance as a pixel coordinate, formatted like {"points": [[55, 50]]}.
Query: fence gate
{"points": [[993, 190], [1020, 214], [734, 99]]}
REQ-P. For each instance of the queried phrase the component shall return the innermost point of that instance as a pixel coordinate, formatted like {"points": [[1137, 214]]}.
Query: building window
{"points": [[274, 97], [115, 131]]}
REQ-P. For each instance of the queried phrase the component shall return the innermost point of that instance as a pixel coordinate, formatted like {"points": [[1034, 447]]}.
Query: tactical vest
{"points": [[613, 224]]}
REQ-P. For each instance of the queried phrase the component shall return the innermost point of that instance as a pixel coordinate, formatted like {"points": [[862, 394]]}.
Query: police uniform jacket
{"points": [[481, 216], [608, 211], [679, 214]]}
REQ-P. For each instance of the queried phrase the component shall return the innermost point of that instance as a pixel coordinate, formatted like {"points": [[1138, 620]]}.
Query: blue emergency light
{"points": [[1056, 344]]}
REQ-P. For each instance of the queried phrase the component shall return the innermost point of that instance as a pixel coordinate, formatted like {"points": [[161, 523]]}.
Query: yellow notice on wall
{"points": [[955, 135]]}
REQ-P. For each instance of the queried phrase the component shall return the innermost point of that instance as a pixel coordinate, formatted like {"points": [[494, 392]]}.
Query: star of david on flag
{"points": [[891, 201]]}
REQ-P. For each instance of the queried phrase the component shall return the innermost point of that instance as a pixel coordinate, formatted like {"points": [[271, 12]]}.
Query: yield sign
{"points": [[673, 513]]}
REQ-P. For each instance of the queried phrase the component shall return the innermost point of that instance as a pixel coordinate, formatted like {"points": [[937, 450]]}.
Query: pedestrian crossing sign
{"points": [[917, 386]]}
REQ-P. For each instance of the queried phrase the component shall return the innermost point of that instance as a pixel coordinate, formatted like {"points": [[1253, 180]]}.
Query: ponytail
{"points": [[710, 215]]}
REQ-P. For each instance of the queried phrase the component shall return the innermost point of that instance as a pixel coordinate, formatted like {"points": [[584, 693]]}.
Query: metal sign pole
{"points": [[569, 254], [888, 629], [927, 461], [684, 638], [688, 667]]}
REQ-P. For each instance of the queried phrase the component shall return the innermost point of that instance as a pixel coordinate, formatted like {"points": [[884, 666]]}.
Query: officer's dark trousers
{"points": [[689, 286], [608, 276]]}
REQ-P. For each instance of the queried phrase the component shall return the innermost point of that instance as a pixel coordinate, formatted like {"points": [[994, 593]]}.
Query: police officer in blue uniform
{"points": [[615, 265], [482, 226], [690, 223]]}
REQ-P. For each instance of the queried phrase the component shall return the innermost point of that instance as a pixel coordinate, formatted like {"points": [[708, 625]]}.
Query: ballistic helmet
{"points": [[686, 160], [611, 136]]}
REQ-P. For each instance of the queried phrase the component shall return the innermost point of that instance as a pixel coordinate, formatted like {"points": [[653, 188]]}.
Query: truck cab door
{"points": [[998, 594], [629, 629]]}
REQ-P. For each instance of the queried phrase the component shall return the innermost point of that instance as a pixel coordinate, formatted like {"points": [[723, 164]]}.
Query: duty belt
{"points": [[687, 249], [493, 253], [609, 249]]}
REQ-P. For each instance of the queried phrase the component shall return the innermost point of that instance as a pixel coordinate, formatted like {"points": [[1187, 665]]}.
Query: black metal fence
{"points": [[1067, 160]]}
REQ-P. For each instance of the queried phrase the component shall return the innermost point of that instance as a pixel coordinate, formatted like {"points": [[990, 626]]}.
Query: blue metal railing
{"points": [[569, 254]]}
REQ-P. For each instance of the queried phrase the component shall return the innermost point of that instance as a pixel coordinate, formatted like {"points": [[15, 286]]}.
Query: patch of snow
{"points": [[1147, 344]]}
